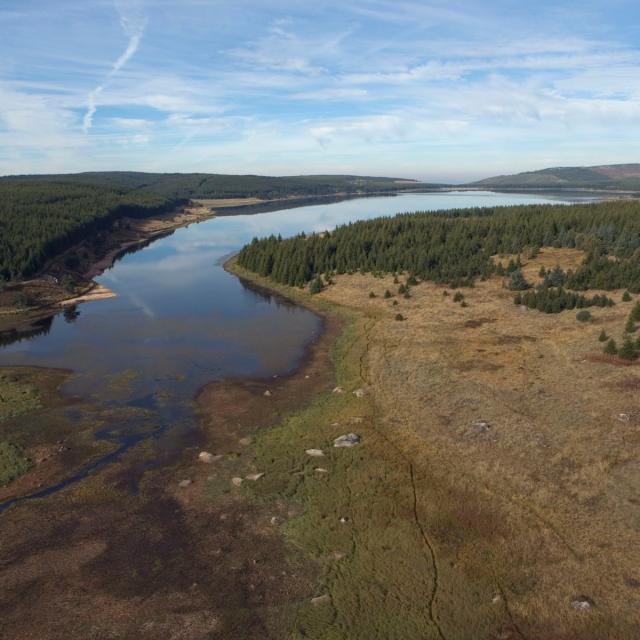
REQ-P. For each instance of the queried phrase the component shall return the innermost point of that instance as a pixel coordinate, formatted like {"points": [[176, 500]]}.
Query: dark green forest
{"points": [[40, 219], [40, 216], [455, 247], [205, 185]]}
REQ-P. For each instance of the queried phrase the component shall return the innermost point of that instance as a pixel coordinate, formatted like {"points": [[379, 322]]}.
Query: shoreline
{"points": [[49, 294]]}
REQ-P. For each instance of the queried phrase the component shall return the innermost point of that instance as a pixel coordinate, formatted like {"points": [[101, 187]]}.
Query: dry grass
{"points": [[542, 506]]}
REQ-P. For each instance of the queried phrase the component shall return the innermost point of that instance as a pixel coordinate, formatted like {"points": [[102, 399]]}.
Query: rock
{"points": [[356, 420], [276, 520], [267, 394], [335, 424], [315, 453], [347, 440], [236, 482], [480, 426], [623, 417], [497, 599], [338, 390], [344, 520], [582, 603], [183, 484], [254, 476], [320, 600], [206, 457], [321, 470], [338, 555], [359, 393], [245, 442]]}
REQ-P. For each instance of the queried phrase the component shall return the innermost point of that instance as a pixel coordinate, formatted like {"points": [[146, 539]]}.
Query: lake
{"points": [[180, 321]]}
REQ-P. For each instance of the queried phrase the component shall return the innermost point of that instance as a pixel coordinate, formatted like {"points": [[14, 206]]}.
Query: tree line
{"points": [[456, 247], [38, 220]]}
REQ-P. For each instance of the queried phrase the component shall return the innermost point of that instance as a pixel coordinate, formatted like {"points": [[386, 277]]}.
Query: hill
{"points": [[207, 185], [43, 215], [615, 177]]}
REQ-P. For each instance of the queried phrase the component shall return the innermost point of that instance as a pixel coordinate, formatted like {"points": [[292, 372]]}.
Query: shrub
{"points": [[411, 280], [395, 303], [603, 337], [458, 297], [517, 281], [371, 294], [399, 317], [628, 350], [626, 297], [402, 289], [611, 347], [584, 316], [387, 294], [445, 293], [464, 304], [316, 286]]}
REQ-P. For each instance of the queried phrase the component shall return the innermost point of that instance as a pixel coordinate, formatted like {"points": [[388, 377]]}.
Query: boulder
{"points": [[582, 603], [320, 600], [315, 453], [267, 394], [359, 393], [338, 390], [254, 476], [183, 484], [207, 458], [236, 482], [347, 440]]}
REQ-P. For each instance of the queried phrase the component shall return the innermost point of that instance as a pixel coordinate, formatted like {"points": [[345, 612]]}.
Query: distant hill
{"points": [[616, 177], [211, 185]]}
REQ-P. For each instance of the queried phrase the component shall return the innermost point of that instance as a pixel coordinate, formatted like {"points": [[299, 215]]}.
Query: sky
{"points": [[440, 91]]}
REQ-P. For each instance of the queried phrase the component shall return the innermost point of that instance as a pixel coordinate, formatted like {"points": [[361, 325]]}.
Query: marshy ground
{"points": [[493, 493]]}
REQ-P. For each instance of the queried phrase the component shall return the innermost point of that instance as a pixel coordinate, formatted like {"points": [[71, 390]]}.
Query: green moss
{"points": [[16, 397], [13, 462]]}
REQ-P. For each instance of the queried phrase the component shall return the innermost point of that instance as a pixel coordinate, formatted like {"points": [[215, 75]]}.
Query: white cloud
{"points": [[133, 26]]}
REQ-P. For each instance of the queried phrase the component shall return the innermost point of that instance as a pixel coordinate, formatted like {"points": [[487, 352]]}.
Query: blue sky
{"points": [[432, 90]]}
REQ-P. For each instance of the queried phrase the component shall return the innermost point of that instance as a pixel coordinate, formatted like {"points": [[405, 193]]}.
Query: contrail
{"points": [[134, 28]]}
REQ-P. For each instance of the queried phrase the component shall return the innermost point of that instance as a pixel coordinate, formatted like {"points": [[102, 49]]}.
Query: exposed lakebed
{"points": [[179, 321]]}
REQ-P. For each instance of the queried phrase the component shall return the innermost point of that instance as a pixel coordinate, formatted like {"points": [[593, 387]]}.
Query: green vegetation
{"points": [[458, 296], [626, 297], [41, 216], [603, 337], [456, 247], [555, 300], [611, 348], [13, 462], [584, 316], [517, 282], [41, 219]]}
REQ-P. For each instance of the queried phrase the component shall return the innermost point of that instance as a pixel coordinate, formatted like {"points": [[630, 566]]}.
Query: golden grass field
{"points": [[453, 530]]}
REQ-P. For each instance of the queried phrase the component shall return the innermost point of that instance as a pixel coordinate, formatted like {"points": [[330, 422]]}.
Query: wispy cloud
{"points": [[133, 25], [432, 89]]}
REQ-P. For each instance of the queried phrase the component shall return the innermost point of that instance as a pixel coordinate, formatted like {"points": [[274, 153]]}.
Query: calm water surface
{"points": [[179, 320]]}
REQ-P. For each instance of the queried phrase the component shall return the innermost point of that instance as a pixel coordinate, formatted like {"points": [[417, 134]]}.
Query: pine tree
{"points": [[626, 297], [603, 337], [628, 350], [611, 347], [517, 282]]}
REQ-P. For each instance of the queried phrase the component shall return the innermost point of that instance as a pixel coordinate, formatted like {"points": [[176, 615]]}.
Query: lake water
{"points": [[179, 320]]}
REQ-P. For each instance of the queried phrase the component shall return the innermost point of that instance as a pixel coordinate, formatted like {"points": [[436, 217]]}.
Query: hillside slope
{"points": [[616, 177]]}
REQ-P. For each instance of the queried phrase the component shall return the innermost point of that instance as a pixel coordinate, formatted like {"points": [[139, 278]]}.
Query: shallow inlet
{"points": [[179, 321]]}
